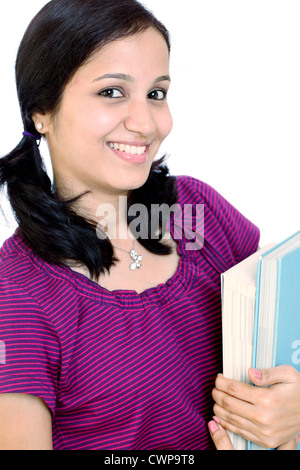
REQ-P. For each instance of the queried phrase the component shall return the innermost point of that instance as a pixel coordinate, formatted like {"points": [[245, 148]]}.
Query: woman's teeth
{"points": [[132, 149]]}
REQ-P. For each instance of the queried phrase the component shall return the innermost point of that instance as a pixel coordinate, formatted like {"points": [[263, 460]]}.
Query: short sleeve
{"points": [[29, 346], [229, 237]]}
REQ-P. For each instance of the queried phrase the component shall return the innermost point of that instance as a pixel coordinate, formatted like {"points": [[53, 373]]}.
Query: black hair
{"points": [[59, 39]]}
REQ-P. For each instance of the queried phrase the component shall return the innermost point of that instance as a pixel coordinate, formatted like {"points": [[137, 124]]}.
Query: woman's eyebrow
{"points": [[163, 78], [129, 78]]}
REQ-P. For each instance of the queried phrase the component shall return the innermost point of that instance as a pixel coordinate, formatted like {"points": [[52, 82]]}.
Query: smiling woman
{"points": [[68, 94], [110, 342], [105, 140]]}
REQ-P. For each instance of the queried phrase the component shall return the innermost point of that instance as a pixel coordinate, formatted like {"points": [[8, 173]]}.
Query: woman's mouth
{"points": [[130, 153]]}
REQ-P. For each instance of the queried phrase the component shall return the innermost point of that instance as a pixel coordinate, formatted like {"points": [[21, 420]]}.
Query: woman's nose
{"points": [[139, 118]]}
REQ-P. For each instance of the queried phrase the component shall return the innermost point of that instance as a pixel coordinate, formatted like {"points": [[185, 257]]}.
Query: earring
{"points": [[39, 126]]}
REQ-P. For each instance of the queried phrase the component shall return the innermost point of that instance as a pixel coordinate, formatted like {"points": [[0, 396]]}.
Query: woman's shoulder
{"points": [[185, 184], [191, 189], [17, 260], [22, 270], [228, 234], [14, 261]]}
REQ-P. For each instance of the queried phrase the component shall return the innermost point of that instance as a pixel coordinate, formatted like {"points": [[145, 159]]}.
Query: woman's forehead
{"points": [[148, 50]]}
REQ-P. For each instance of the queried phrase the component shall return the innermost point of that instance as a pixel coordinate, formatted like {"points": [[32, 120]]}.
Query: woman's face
{"points": [[112, 118]]}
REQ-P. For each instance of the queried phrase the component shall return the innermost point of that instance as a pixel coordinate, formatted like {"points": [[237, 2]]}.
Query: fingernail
{"points": [[256, 373], [217, 420], [213, 427]]}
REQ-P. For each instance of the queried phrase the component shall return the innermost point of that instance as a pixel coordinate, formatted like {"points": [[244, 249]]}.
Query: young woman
{"points": [[109, 315]]}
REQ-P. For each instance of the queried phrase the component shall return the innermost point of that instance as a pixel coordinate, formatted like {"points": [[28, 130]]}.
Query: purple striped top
{"points": [[122, 370]]}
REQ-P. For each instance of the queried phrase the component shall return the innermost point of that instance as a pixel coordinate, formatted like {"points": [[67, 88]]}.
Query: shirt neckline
{"points": [[174, 288]]}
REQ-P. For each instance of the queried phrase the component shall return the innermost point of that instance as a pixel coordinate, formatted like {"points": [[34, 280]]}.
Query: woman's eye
{"points": [[111, 93], [158, 95]]}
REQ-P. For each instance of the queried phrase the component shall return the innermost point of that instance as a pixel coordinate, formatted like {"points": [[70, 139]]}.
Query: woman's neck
{"points": [[107, 211]]}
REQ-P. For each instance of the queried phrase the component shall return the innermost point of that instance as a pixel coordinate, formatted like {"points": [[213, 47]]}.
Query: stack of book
{"points": [[261, 314]]}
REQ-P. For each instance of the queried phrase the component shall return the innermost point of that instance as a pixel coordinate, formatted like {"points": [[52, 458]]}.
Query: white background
{"points": [[235, 100]]}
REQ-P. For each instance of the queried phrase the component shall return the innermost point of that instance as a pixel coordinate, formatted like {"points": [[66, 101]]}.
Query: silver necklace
{"points": [[135, 257]]}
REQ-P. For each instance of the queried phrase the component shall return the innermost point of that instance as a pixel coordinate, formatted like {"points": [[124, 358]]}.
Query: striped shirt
{"points": [[122, 370]]}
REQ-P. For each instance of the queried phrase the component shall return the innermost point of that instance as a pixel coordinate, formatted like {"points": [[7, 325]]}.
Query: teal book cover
{"points": [[277, 313], [287, 332]]}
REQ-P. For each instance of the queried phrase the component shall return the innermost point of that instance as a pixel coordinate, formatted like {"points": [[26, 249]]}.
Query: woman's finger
{"points": [[237, 425], [232, 405], [241, 390], [219, 436]]}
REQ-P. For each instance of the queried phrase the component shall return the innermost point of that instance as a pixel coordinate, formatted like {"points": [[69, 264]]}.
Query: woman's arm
{"points": [[25, 423]]}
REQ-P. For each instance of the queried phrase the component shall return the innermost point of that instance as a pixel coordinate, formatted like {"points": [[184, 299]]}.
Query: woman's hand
{"points": [[223, 442], [267, 416]]}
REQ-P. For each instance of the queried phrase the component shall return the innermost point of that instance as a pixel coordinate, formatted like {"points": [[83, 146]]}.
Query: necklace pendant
{"points": [[136, 260]]}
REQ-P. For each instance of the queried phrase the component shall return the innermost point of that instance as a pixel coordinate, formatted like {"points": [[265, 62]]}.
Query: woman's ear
{"points": [[41, 122]]}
